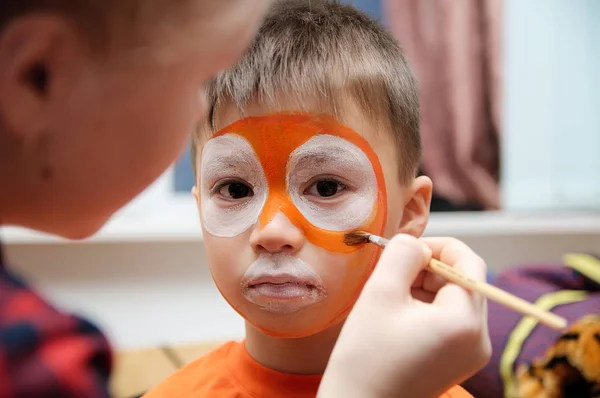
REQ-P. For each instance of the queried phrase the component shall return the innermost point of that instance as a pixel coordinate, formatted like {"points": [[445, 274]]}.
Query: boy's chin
{"points": [[289, 332], [294, 326]]}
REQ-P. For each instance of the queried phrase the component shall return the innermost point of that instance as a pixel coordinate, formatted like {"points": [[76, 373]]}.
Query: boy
{"points": [[313, 133]]}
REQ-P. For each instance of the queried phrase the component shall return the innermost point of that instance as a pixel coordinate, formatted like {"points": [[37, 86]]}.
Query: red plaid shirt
{"points": [[45, 353]]}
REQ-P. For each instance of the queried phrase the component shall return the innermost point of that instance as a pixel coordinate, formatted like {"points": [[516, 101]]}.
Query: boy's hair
{"points": [[308, 49]]}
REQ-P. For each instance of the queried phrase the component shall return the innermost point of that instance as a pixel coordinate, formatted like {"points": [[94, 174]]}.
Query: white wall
{"points": [[551, 132], [140, 293], [153, 291]]}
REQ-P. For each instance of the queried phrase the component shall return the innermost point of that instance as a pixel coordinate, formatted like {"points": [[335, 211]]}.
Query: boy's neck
{"points": [[307, 355]]}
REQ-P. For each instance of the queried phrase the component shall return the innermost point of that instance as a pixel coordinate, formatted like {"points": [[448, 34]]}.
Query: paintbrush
{"points": [[491, 292]]}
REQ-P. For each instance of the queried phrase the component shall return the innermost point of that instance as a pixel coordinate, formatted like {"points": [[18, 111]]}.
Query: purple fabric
{"points": [[529, 283]]}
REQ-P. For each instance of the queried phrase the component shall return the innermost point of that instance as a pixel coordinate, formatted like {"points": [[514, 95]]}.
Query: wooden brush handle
{"points": [[497, 295]]}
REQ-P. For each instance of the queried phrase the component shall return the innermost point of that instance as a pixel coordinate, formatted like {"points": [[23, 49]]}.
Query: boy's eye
{"points": [[325, 188], [235, 190]]}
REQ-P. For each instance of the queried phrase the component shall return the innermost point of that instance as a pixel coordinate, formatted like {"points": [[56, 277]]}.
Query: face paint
{"points": [[282, 267], [325, 179], [228, 159], [278, 157], [331, 155]]}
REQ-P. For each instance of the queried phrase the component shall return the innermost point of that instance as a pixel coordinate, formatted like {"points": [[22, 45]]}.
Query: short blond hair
{"points": [[327, 50]]}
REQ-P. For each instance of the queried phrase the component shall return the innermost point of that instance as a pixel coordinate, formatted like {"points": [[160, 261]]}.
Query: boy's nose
{"points": [[279, 235]]}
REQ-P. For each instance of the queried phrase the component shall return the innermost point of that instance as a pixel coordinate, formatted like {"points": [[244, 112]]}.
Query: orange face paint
{"points": [[259, 166], [277, 140]]}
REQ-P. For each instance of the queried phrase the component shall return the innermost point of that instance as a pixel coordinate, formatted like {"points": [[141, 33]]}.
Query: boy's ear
{"points": [[416, 208], [32, 48], [196, 195]]}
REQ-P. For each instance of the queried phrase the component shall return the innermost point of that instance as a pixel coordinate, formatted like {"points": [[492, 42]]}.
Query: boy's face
{"points": [[276, 194], [89, 132]]}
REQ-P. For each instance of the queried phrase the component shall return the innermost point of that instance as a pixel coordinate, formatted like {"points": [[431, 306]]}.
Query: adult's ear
{"points": [[36, 57]]}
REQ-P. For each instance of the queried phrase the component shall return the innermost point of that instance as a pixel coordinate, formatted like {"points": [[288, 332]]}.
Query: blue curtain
{"points": [[371, 7]]}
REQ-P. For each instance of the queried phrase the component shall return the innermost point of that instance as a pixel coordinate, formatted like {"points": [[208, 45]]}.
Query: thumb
{"points": [[399, 265]]}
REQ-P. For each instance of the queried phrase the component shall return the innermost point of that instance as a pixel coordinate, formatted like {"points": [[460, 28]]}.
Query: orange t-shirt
{"points": [[230, 372]]}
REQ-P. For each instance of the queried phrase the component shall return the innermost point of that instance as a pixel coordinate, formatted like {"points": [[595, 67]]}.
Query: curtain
{"points": [[454, 48]]}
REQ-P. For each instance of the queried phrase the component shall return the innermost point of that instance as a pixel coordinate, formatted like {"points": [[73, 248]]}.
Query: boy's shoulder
{"points": [[199, 377], [230, 372], [220, 374]]}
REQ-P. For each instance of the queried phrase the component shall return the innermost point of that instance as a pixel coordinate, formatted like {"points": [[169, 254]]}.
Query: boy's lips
{"points": [[281, 283], [282, 279]]}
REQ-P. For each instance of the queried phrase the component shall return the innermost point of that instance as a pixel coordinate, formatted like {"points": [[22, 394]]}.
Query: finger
{"points": [[459, 256], [456, 254], [446, 249], [398, 267], [433, 282], [456, 298], [422, 295], [471, 311], [418, 282]]}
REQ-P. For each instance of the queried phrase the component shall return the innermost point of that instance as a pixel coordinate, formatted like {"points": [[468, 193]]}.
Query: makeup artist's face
{"points": [[276, 194]]}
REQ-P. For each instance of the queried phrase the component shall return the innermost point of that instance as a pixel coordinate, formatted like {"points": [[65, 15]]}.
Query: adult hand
{"points": [[411, 333]]}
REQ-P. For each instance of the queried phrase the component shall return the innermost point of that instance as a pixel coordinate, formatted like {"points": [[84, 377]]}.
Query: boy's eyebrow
{"points": [[227, 164], [229, 160], [325, 153], [316, 160], [325, 160]]}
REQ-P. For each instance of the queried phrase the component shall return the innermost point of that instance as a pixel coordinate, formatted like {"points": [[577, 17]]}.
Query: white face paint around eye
{"points": [[230, 158], [329, 155]]}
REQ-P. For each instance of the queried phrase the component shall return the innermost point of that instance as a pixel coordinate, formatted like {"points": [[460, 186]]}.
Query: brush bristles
{"points": [[356, 238]]}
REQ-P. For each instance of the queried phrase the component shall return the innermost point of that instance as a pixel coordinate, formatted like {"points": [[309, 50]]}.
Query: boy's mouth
{"points": [[281, 287], [282, 297], [282, 284]]}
